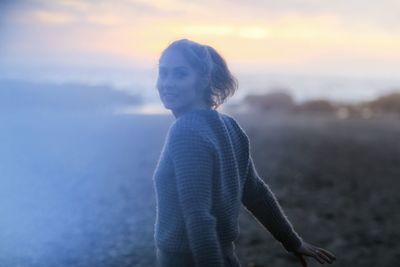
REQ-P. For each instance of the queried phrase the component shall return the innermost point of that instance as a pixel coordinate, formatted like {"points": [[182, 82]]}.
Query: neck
{"points": [[179, 112]]}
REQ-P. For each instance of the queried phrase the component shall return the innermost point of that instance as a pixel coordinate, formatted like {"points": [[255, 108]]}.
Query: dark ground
{"points": [[337, 181]]}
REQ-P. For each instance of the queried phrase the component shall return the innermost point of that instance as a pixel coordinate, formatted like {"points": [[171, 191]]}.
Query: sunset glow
{"points": [[336, 38], [125, 29]]}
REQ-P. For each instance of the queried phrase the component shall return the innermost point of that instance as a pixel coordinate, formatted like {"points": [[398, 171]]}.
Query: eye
{"points": [[180, 74]]}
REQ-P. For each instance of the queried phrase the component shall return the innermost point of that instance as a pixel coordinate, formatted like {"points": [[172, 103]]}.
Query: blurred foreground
{"points": [[76, 189]]}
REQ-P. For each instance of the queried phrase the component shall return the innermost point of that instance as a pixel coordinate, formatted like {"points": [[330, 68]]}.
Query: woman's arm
{"points": [[261, 202], [193, 161]]}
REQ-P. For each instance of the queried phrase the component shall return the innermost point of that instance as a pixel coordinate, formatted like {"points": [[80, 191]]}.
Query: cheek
{"points": [[188, 94], [191, 86]]}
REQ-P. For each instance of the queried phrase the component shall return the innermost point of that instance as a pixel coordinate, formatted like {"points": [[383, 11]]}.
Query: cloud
{"points": [[105, 12], [353, 14], [249, 32], [286, 33], [356, 13], [82, 12], [53, 17]]}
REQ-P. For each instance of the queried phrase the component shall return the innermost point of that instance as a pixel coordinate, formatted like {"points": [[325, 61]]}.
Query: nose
{"points": [[167, 83]]}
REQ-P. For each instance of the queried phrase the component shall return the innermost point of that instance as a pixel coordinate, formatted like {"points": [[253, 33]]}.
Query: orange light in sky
{"points": [[127, 31]]}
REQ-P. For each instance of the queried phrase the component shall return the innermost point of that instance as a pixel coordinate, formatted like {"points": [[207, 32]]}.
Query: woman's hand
{"points": [[320, 254]]}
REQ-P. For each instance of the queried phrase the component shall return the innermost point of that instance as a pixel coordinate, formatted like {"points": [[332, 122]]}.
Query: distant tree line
{"points": [[281, 101]]}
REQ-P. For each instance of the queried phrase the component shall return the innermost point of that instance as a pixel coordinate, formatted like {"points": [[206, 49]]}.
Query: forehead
{"points": [[173, 59]]}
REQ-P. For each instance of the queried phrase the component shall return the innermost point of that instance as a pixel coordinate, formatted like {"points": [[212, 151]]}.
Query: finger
{"points": [[323, 256], [329, 254], [318, 258], [326, 255], [302, 260]]}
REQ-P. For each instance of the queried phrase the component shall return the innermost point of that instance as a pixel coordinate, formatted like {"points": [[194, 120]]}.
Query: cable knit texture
{"points": [[204, 173]]}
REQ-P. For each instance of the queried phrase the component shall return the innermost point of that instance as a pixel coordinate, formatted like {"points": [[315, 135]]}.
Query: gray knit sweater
{"points": [[204, 173]]}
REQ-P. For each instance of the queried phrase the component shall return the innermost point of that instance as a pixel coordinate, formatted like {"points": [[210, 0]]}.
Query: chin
{"points": [[170, 106], [176, 106]]}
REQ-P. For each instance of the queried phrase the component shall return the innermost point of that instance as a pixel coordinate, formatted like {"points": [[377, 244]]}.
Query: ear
{"points": [[204, 82]]}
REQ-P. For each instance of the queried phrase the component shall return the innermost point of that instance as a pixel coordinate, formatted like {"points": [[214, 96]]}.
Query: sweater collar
{"points": [[198, 111]]}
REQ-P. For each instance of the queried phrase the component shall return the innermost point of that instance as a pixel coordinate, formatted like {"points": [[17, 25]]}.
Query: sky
{"points": [[119, 42]]}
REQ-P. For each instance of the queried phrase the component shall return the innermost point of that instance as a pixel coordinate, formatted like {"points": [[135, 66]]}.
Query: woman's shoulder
{"points": [[193, 120], [235, 123], [190, 126], [201, 122]]}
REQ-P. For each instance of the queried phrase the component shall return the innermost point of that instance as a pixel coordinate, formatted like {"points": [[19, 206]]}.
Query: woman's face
{"points": [[178, 82]]}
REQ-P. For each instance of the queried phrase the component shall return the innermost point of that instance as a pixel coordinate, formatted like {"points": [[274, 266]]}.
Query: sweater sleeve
{"points": [[262, 203], [192, 157]]}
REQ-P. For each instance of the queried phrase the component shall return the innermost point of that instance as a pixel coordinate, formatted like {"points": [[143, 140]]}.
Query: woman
{"points": [[205, 171]]}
